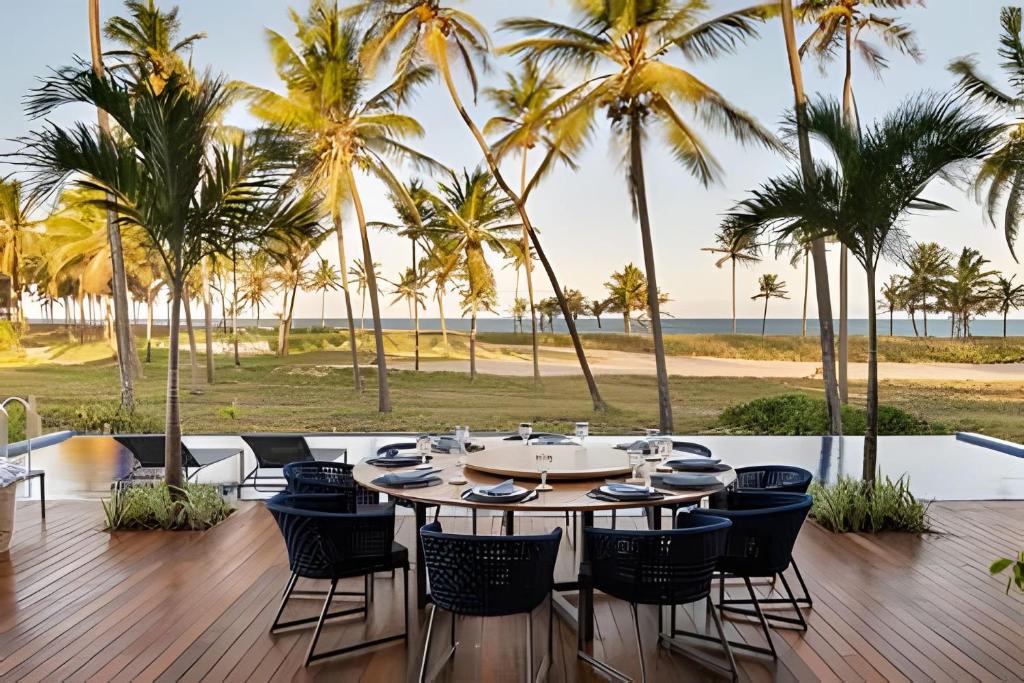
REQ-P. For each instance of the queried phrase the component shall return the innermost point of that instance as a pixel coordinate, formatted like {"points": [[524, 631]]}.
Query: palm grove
{"points": [[160, 195]]}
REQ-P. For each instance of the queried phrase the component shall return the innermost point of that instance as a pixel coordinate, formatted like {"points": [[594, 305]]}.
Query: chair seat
{"points": [[397, 559]]}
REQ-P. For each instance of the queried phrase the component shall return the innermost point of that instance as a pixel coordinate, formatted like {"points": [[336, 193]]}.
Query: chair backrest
{"points": [[323, 543], [489, 575], [277, 450], [401, 446], [148, 449], [764, 529], [670, 567], [781, 478], [327, 477]]}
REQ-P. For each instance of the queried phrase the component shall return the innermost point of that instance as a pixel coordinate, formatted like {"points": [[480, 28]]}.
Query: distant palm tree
{"points": [[150, 45], [1006, 295], [434, 268], [769, 286], [967, 291], [627, 292], [17, 225], [736, 247], [641, 92], [409, 288], [290, 253], [427, 31], [877, 178], [518, 310], [1001, 175], [343, 129], [840, 26], [324, 279], [358, 274], [928, 263], [597, 308], [549, 308], [472, 215], [893, 293], [256, 282]]}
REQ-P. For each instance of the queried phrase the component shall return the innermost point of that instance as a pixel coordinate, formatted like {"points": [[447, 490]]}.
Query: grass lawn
{"points": [[313, 391]]}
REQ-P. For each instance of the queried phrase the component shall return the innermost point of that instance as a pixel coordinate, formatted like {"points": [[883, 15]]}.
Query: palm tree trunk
{"points": [[444, 325], [415, 311], [595, 394], [150, 295], [234, 305], [208, 314], [287, 327], [356, 377], [257, 315], [844, 300], [924, 313], [733, 295], [383, 392], [764, 318], [528, 263], [807, 277], [282, 348], [871, 434], [626, 327], [172, 417], [192, 352], [890, 322], [913, 323], [1006, 311], [598, 321], [639, 189], [821, 285], [127, 361], [472, 343]]}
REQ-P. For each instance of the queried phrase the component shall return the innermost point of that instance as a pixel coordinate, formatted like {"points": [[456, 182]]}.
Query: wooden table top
{"points": [[566, 496], [569, 462]]}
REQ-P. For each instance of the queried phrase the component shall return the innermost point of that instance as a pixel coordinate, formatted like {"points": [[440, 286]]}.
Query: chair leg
{"points": [[426, 644], [802, 623], [760, 616], [320, 621], [806, 600], [474, 521], [284, 600], [721, 636], [613, 519], [529, 647], [639, 642], [405, 598]]}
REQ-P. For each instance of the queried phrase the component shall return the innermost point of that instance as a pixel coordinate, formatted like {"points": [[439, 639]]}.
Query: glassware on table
{"points": [[459, 477], [582, 430], [543, 465], [660, 448], [423, 446], [525, 429], [648, 433], [636, 461]]}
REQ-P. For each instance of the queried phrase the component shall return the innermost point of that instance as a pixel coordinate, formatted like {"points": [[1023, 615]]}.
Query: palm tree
{"points": [[523, 123], [16, 228], [841, 24], [324, 279], [862, 200], [1001, 176], [640, 92], [150, 47], [290, 252], [472, 216], [809, 175], [409, 288], [358, 274], [967, 291], [518, 310], [735, 246], [893, 293], [597, 308], [1006, 295], [627, 292], [342, 130], [549, 308], [168, 175], [257, 282], [928, 263], [769, 286], [434, 269], [577, 302], [427, 31]]}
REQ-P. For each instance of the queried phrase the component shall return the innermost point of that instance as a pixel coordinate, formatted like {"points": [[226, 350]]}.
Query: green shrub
{"points": [[799, 414], [143, 506], [94, 417], [1016, 571], [8, 336], [850, 505]]}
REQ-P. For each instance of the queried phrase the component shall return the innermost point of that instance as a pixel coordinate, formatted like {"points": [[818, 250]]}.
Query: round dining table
{"points": [[503, 459]]}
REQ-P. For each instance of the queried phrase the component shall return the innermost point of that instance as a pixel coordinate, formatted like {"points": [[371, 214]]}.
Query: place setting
{"points": [[502, 493]]}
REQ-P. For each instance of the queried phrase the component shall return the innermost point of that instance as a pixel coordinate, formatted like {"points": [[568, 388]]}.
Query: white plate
{"points": [[480, 491]]}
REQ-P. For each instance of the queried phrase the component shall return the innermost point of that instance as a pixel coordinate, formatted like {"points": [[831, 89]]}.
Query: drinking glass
{"points": [[636, 461], [651, 432], [525, 429], [460, 472], [582, 430], [660, 448], [543, 465], [423, 447]]}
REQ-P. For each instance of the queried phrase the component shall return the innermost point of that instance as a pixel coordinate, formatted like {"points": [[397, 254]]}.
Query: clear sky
{"points": [[584, 217]]}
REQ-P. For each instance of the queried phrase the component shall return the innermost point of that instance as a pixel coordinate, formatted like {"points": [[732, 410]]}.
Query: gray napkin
{"points": [[505, 488], [403, 478]]}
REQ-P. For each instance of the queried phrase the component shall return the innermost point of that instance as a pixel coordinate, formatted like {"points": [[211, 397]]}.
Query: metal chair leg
{"points": [[320, 622], [760, 616], [721, 636], [426, 644], [284, 600], [806, 600], [639, 642], [529, 647]]}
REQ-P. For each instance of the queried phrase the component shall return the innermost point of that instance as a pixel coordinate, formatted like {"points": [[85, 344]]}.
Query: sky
{"points": [[584, 217]]}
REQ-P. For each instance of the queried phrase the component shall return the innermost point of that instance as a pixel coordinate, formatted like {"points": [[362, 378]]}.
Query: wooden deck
{"points": [[80, 604]]}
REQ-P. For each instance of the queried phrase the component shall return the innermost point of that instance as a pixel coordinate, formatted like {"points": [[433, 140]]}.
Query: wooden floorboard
{"points": [[78, 604]]}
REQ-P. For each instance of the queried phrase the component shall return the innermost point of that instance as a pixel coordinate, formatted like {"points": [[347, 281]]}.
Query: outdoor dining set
{"points": [[736, 528]]}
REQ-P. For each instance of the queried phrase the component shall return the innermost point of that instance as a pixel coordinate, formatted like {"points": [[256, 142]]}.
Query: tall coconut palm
{"points": [[127, 360], [736, 247], [409, 288], [1001, 177], [808, 173], [472, 216], [523, 122], [428, 31], [168, 176], [769, 286], [290, 252], [343, 130], [358, 274], [17, 226], [967, 291], [627, 292], [433, 268], [257, 282], [878, 177], [640, 92], [597, 308], [841, 27], [893, 294], [324, 279], [929, 263], [1005, 296], [149, 43]]}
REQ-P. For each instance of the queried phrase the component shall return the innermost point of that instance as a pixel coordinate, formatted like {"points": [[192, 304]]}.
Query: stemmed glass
{"points": [[525, 429], [423, 448], [582, 430], [543, 465], [636, 461]]}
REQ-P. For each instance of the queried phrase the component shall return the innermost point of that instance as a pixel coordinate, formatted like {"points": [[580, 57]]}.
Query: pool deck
{"points": [[80, 604]]}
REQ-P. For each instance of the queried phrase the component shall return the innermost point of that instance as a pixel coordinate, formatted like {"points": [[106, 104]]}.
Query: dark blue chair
{"points": [[778, 479], [327, 545], [489, 576], [327, 477], [663, 568], [760, 544]]}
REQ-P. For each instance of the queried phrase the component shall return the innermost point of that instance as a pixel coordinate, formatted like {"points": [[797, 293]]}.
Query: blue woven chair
{"points": [[777, 479], [327, 545], [663, 568], [764, 530], [489, 576], [327, 477]]}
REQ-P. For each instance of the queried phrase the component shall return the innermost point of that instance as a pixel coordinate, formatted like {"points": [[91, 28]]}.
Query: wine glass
{"points": [[543, 465], [636, 460], [525, 429], [582, 430], [423, 448]]}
